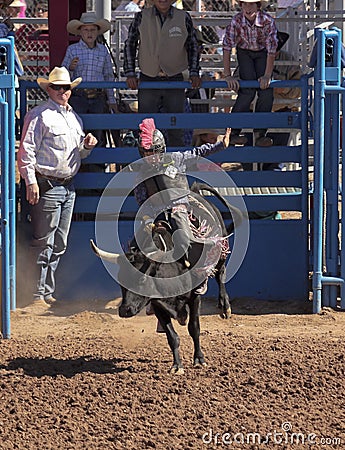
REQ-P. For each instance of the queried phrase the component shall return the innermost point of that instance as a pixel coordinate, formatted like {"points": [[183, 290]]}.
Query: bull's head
{"points": [[144, 278], [132, 302]]}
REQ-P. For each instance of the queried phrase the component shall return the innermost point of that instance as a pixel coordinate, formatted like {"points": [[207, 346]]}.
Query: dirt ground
{"points": [[76, 376]]}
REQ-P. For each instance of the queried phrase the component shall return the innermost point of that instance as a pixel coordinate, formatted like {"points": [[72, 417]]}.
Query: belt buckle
{"points": [[90, 93]]}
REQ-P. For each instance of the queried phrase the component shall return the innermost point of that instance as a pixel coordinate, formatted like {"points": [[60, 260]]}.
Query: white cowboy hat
{"points": [[88, 18], [17, 4], [59, 75], [264, 3]]}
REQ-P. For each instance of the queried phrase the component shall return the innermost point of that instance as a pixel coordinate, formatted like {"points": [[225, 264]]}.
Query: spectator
{"points": [[32, 41], [165, 40], [206, 136], [254, 34], [14, 8], [92, 61], [127, 6], [51, 147], [131, 6], [286, 99]]}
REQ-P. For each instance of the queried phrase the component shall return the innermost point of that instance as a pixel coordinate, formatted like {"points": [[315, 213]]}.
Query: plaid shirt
{"points": [[52, 142], [132, 42], [262, 34], [94, 64]]}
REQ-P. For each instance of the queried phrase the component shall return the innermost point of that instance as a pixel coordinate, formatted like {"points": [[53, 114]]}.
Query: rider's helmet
{"points": [[150, 139]]}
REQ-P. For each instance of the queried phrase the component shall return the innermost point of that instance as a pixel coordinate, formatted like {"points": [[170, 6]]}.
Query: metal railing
{"points": [[8, 191]]}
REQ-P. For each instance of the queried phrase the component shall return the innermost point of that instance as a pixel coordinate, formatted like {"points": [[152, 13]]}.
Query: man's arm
{"points": [[206, 149], [87, 145], [130, 52], [26, 158], [193, 52], [266, 78], [30, 142]]}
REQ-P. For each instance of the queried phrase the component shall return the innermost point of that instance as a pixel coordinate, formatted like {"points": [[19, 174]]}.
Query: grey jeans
{"points": [[51, 220]]}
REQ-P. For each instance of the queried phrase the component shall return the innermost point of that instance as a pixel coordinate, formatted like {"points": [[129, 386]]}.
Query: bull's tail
{"points": [[237, 215]]}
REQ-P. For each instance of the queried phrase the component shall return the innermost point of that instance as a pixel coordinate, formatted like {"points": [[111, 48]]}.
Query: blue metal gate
{"points": [[328, 231], [8, 194]]}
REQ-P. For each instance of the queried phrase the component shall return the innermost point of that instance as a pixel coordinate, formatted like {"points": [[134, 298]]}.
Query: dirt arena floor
{"points": [[76, 376]]}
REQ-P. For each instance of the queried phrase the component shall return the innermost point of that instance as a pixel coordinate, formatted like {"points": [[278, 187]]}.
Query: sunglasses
{"points": [[57, 87]]}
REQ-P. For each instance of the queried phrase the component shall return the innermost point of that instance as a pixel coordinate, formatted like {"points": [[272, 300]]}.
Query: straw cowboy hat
{"points": [[264, 3], [17, 4], [88, 18], [59, 75]]}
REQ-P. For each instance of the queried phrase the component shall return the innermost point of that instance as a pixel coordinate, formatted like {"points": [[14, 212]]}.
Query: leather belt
{"points": [[63, 181], [89, 93]]}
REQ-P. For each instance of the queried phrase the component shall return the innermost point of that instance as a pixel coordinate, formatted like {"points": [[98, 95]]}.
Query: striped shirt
{"points": [[94, 64], [132, 43], [52, 142], [260, 35]]}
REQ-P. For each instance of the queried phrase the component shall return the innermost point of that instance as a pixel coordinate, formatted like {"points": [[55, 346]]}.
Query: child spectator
{"points": [[254, 35]]}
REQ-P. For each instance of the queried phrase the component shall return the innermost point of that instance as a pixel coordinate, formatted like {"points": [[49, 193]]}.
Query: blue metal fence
{"points": [[8, 204], [328, 236]]}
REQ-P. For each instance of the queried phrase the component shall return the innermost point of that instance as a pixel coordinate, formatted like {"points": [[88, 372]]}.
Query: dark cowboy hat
{"points": [[282, 39]]}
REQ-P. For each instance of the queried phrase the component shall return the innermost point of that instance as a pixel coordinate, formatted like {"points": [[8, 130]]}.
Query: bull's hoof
{"points": [[175, 370], [226, 314], [199, 363]]}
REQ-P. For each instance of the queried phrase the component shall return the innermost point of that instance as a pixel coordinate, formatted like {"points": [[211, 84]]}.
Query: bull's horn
{"points": [[111, 257], [154, 255]]}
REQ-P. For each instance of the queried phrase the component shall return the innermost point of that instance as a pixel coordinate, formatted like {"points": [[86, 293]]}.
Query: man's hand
{"points": [[90, 141], [226, 138], [195, 81], [32, 193], [132, 82], [113, 107], [73, 64], [232, 83], [264, 81]]}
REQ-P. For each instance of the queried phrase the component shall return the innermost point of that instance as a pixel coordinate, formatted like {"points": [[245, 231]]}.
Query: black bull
{"points": [[172, 305]]}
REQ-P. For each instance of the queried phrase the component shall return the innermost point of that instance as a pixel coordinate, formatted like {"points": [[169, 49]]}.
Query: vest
{"points": [[162, 48], [169, 189]]}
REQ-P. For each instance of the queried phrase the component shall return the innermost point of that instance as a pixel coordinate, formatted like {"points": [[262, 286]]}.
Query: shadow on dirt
{"points": [[252, 306], [68, 368], [209, 307]]}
